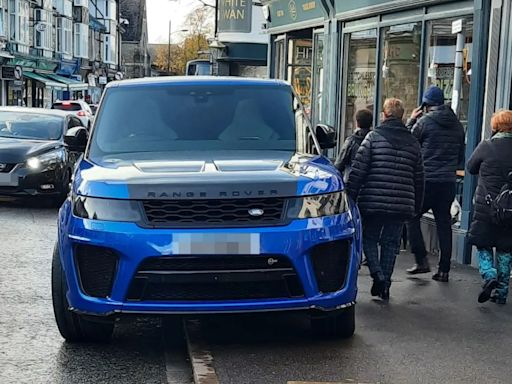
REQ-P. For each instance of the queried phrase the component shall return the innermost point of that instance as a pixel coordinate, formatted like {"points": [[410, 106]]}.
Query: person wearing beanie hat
{"points": [[442, 138]]}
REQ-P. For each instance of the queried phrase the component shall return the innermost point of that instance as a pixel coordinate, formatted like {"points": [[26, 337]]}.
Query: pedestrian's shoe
{"points": [[441, 277], [377, 287], [385, 294], [488, 287], [498, 300], [419, 268]]}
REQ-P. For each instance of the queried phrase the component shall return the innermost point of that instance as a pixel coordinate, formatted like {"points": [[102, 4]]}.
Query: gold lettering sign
{"points": [[234, 9], [309, 6], [280, 13]]}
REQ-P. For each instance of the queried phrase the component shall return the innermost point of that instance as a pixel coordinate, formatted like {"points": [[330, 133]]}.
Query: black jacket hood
{"points": [[444, 116]]}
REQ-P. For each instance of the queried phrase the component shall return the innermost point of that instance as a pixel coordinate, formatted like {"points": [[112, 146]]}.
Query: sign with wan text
{"points": [[235, 16]]}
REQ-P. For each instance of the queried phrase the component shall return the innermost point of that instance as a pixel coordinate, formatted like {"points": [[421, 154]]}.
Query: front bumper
{"points": [[22, 182], [134, 244]]}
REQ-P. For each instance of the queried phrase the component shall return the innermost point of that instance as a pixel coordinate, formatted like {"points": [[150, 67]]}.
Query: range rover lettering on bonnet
{"points": [[191, 195]]}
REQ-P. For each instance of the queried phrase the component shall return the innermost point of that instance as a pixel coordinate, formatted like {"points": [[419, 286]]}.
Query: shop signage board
{"points": [[235, 16], [102, 80], [8, 72], [353, 5], [284, 12]]}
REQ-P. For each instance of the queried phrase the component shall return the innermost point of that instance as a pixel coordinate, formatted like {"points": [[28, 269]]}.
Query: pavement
{"points": [[429, 332]]}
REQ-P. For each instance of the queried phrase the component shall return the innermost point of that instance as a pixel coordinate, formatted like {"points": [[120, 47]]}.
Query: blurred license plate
{"points": [[216, 244], [6, 179]]}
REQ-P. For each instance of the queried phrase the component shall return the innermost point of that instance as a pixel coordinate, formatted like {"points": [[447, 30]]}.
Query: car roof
{"points": [[199, 80], [40, 111]]}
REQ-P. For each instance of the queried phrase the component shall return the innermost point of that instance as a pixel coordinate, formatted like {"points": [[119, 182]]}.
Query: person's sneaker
{"points": [[442, 277], [488, 287], [418, 269], [498, 300]]}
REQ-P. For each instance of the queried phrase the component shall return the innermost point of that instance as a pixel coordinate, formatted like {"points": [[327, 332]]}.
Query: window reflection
{"points": [[318, 76], [441, 61], [401, 64], [361, 75], [300, 57]]}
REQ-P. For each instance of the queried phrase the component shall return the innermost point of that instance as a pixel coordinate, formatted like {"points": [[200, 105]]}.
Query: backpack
{"points": [[502, 205]]}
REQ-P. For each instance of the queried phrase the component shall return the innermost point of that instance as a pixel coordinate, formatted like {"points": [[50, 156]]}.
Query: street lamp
{"points": [[169, 47]]}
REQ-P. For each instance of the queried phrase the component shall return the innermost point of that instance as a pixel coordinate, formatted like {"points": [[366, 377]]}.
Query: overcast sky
{"points": [[159, 13]]}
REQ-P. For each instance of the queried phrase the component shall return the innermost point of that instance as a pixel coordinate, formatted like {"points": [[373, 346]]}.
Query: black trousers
{"points": [[438, 198]]}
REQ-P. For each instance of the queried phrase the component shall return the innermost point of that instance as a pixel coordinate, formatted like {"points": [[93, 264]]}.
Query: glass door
{"points": [[360, 76], [300, 63], [318, 76]]}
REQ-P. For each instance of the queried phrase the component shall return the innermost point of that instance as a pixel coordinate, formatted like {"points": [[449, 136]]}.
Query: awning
{"points": [[72, 85], [47, 82]]}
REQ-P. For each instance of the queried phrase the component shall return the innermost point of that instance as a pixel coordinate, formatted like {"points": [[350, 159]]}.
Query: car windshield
{"points": [[31, 126], [160, 119], [67, 107]]}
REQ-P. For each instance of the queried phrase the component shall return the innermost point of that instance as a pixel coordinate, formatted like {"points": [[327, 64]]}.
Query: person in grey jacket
{"points": [[441, 136]]}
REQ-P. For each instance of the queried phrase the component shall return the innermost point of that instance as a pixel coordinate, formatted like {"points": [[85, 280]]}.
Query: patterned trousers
{"points": [[501, 272], [387, 235]]}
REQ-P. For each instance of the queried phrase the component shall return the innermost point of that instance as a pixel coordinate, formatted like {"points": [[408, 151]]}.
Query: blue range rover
{"points": [[204, 195]]}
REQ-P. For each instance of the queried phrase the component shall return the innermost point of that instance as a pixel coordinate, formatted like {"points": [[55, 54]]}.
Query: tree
{"points": [[199, 25]]}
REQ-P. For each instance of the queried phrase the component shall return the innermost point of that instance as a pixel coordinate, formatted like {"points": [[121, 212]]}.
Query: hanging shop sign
{"points": [[102, 80], [235, 16], [8, 72]]}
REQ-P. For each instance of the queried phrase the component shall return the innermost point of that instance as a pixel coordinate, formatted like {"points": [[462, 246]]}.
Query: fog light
{"points": [[47, 187]]}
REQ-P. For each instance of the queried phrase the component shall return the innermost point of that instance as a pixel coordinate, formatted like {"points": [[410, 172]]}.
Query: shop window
{"points": [[318, 76], [19, 21], [400, 72], [43, 29], [280, 58], [440, 61], [64, 36], [360, 76], [300, 58], [81, 40]]}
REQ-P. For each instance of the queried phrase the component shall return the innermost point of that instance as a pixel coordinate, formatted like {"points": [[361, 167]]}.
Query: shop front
{"points": [[39, 91], [354, 54]]}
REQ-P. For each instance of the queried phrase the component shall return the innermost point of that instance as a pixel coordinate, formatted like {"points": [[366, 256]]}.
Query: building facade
{"points": [[57, 49], [240, 44], [343, 55], [135, 52]]}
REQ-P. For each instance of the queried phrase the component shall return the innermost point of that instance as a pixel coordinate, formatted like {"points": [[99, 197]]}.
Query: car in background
{"points": [[79, 107], [33, 158], [215, 197], [199, 67]]}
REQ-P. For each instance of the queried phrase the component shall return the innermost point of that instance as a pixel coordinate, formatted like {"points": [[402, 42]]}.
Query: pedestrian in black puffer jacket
{"points": [[387, 182], [492, 161], [441, 137]]}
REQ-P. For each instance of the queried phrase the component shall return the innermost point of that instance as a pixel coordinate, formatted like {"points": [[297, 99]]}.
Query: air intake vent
{"points": [[330, 262]]}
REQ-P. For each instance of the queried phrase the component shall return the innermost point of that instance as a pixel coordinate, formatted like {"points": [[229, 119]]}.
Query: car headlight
{"points": [[308, 207], [106, 209], [43, 160]]}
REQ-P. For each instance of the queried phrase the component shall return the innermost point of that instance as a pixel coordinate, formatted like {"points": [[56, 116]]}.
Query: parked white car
{"points": [[79, 107]]}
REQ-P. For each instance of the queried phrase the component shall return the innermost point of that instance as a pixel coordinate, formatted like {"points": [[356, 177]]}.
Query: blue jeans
{"points": [[501, 272], [387, 234]]}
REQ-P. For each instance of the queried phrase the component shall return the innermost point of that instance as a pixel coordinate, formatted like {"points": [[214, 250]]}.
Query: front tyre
{"points": [[341, 324], [74, 327]]}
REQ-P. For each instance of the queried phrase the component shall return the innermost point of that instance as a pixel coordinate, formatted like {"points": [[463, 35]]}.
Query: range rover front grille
{"points": [[211, 278], [214, 212]]}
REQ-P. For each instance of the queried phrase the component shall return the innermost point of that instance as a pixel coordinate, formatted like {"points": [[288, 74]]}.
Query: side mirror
{"points": [[326, 136], [76, 138]]}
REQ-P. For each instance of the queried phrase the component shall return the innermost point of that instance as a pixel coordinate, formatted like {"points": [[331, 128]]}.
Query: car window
{"points": [[182, 118], [30, 126], [67, 106]]}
